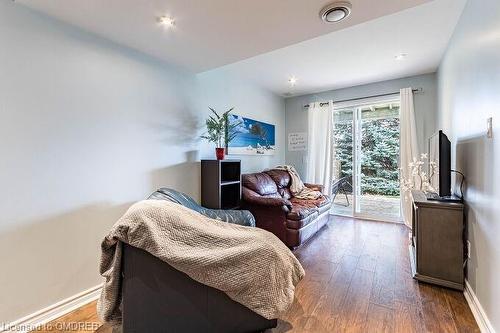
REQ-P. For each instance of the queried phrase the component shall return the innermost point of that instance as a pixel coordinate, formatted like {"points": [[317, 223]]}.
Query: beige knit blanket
{"points": [[297, 187], [252, 266]]}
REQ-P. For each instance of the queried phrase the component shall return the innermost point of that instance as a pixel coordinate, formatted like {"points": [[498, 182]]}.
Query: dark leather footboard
{"points": [[158, 298]]}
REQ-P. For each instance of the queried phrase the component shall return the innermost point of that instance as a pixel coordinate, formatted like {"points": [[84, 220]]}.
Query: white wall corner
{"points": [[52, 312], [477, 310]]}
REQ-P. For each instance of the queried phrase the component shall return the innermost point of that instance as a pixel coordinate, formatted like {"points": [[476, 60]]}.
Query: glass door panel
{"points": [[377, 168], [343, 162]]}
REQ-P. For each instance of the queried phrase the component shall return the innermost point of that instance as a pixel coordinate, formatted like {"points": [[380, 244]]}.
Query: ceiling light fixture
{"points": [[336, 12], [400, 56], [166, 21], [292, 81]]}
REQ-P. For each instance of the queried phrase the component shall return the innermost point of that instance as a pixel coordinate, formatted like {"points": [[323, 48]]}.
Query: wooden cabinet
{"points": [[221, 184], [437, 241]]}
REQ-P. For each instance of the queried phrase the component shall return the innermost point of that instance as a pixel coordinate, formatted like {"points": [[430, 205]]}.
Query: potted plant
{"points": [[220, 131]]}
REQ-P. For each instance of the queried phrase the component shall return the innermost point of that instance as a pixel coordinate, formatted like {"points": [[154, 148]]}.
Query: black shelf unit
{"points": [[221, 184]]}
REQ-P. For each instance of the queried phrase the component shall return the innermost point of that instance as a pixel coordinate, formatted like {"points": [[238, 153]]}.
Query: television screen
{"points": [[440, 163]]}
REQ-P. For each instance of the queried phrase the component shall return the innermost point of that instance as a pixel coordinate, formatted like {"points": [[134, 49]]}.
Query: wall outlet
{"points": [[468, 249], [489, 127]]}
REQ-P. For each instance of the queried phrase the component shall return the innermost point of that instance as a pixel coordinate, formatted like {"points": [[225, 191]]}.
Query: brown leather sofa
{"points": [[267, 196]]}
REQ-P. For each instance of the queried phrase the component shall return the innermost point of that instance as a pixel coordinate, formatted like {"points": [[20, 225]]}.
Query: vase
{"points": [[219, 153]]}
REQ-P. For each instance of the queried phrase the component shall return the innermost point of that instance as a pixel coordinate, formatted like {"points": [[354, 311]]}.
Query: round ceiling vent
{"points": [[336, 12]]}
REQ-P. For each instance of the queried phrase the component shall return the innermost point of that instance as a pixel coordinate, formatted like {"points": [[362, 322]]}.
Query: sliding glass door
{"points": [[366, 141]]}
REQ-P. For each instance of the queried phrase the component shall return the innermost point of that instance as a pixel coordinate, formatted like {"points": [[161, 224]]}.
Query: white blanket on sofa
{"points": [[252, 266], [297, 187]]}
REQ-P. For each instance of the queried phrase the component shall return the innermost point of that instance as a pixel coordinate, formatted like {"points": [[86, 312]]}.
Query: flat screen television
{"points": [[440, 154]]}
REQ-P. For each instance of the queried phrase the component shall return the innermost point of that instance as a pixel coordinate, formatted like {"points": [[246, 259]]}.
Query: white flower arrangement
{"points": [[418, 179]]}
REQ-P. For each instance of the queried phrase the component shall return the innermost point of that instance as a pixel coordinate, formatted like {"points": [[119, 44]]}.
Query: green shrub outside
{"points": [[379, 162]]}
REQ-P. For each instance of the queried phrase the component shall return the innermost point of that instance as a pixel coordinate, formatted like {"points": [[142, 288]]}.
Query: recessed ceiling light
{"points": [[336, 12], [292, 81], [166, 21], [400, 56]]}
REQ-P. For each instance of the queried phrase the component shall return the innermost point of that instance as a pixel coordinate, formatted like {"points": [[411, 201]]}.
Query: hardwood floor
{"points": [[83, 319], [358, 280]]}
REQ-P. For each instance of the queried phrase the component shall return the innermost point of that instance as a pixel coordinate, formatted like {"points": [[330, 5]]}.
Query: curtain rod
{"points": [[418, 90]]}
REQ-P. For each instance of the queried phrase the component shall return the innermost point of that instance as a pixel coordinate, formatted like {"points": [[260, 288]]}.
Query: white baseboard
{"points": [[44, 316], [477, 310]]}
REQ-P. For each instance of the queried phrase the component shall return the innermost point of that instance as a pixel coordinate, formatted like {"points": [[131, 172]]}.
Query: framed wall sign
{"points": [[297, 141]]}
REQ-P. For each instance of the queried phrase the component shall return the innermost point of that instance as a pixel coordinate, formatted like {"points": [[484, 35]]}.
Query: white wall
{"points": [[88, 127], [469, 93], [222, 91], [425, 108]]}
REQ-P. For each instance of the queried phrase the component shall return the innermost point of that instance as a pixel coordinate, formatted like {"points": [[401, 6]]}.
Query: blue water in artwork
{"points": [[252, 132]]}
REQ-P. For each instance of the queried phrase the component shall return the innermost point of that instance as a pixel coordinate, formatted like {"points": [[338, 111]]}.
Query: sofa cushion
{"points": [[324, 208], [280, 177], [323, 203], [241, 217], [301, 211], [260, 183], [320, 202], [301, 216]]}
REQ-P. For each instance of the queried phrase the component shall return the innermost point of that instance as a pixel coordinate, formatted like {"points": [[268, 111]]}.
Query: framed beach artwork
{"points": [[252, 137]]}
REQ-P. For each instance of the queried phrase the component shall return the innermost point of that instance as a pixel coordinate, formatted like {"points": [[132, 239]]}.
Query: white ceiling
{"points": [[212, 33], [360, 54]]}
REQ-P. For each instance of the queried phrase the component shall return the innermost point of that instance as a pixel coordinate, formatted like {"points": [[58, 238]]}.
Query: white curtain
{"points": [[408, 145], [320, 145]]}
